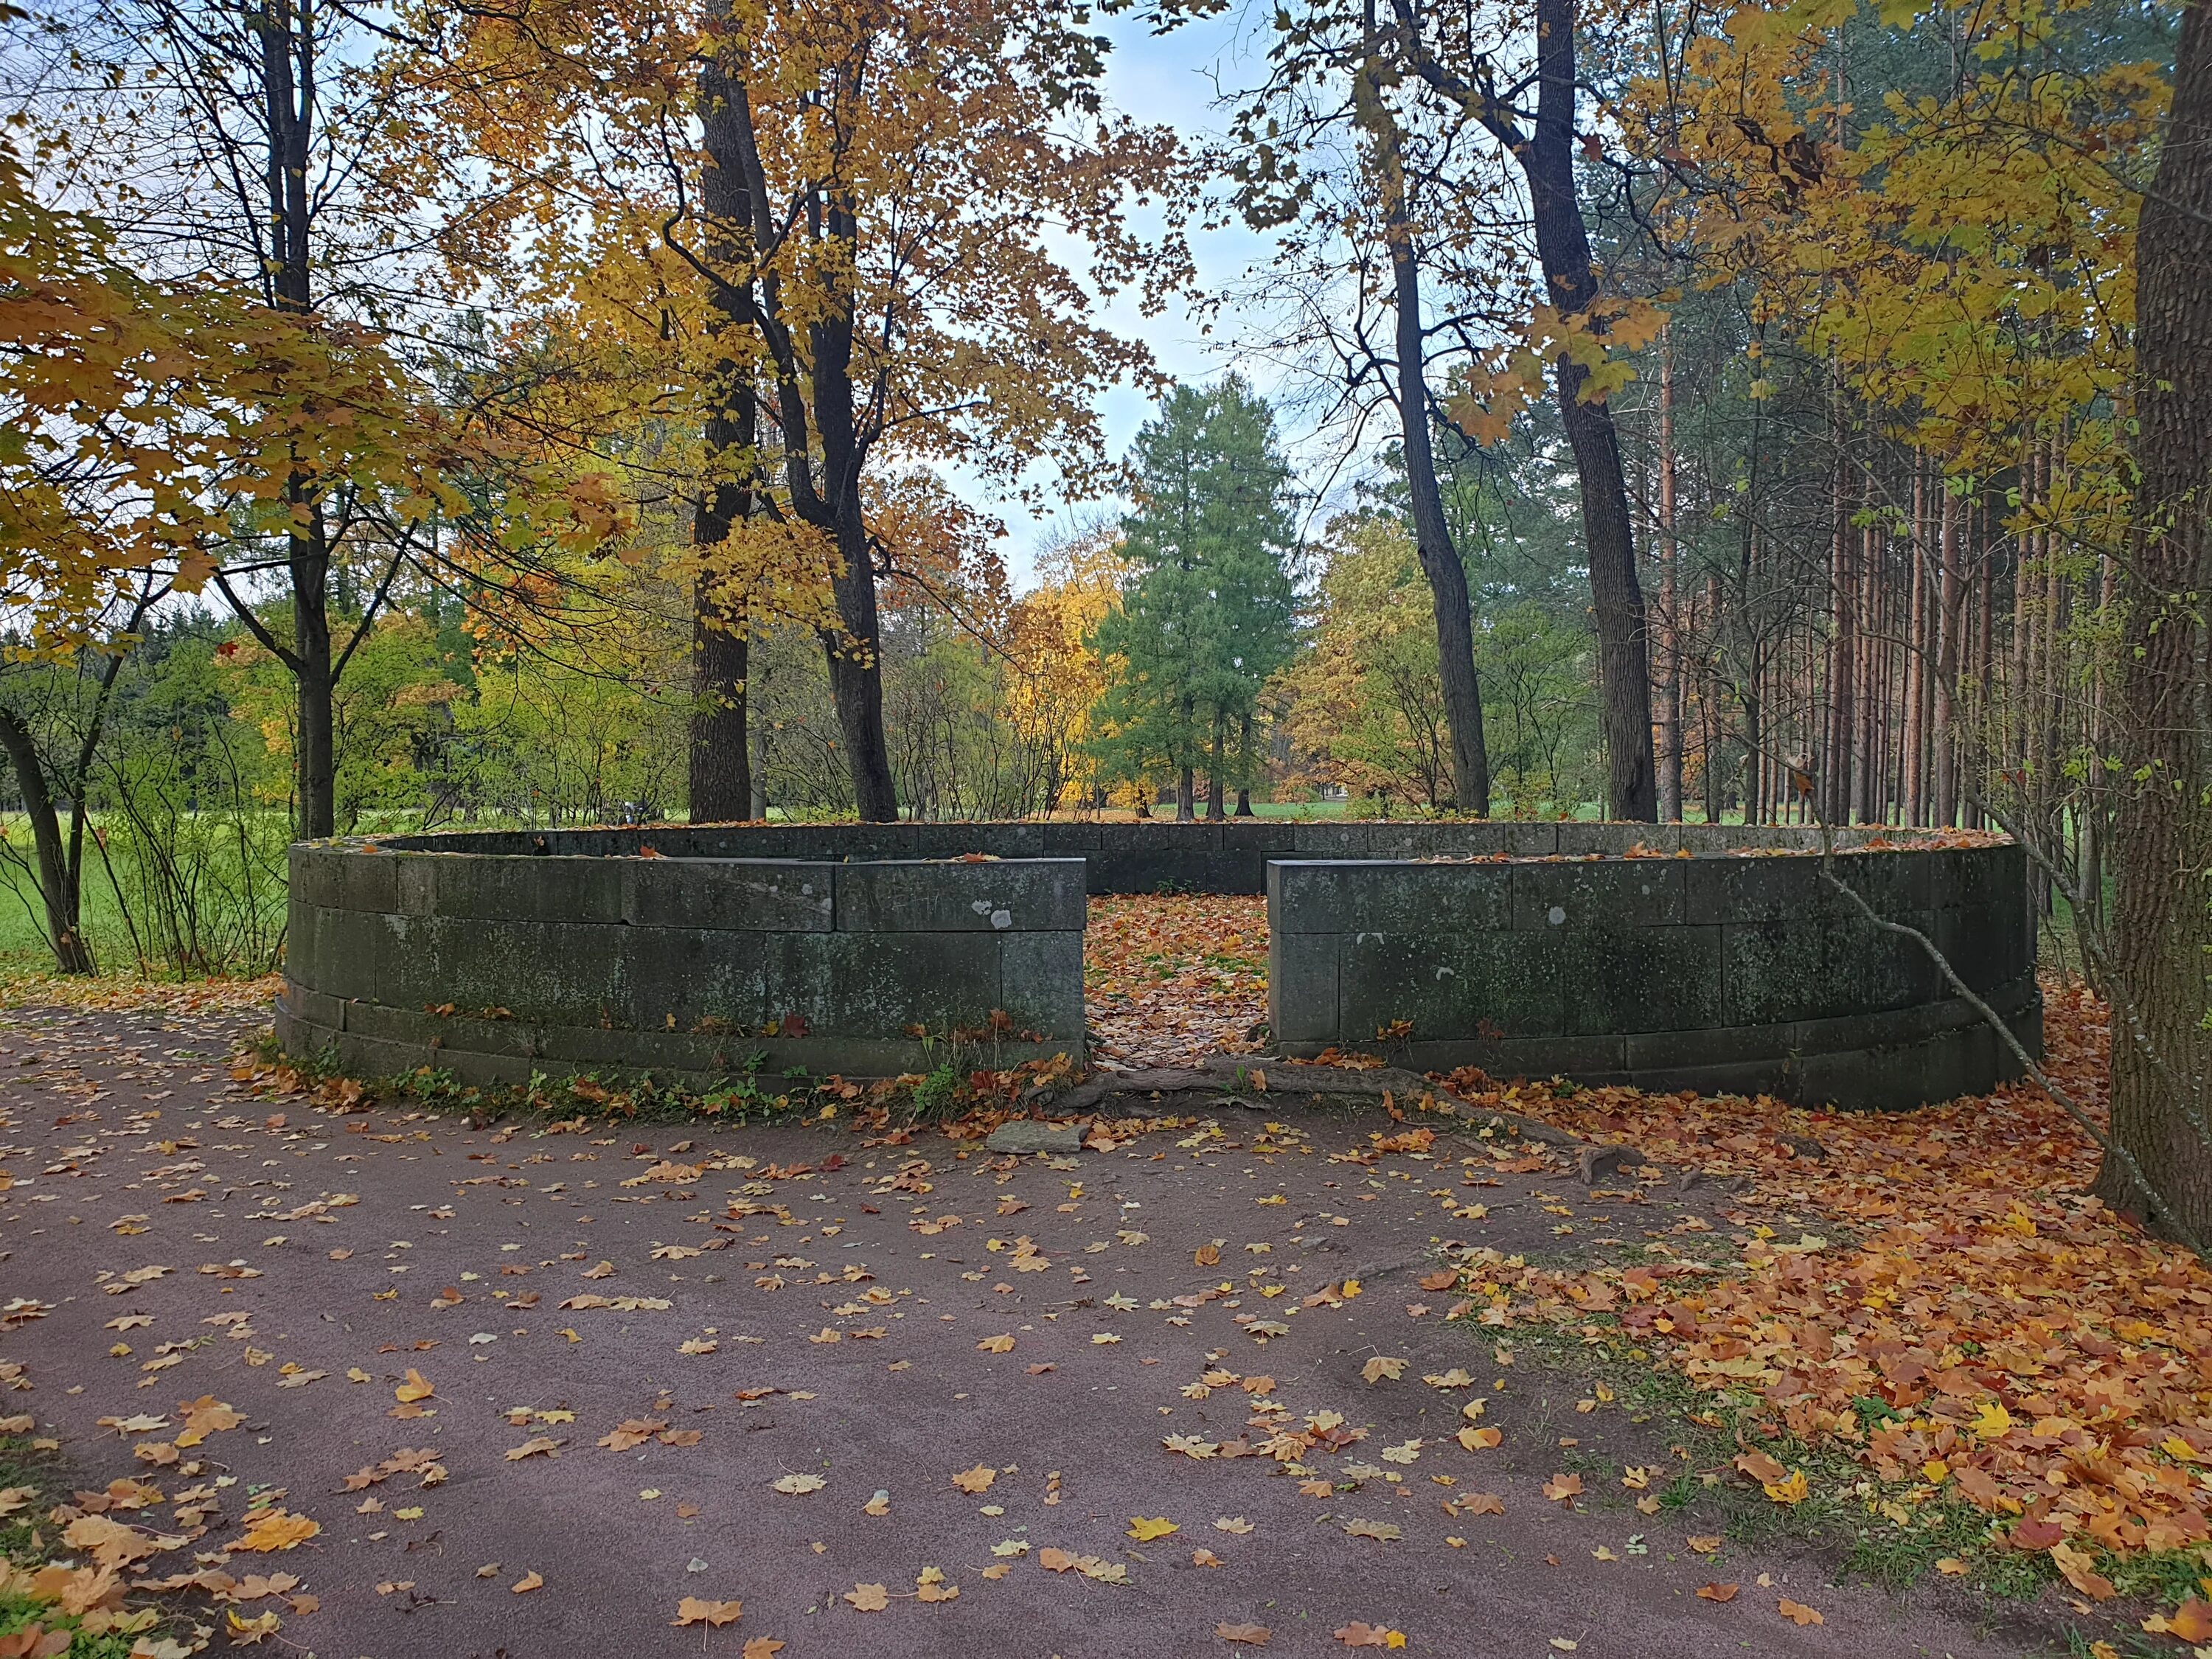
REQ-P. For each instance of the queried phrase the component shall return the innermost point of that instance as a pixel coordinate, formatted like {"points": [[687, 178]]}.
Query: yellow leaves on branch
{"points": [[1495, 390], [152, 420]]}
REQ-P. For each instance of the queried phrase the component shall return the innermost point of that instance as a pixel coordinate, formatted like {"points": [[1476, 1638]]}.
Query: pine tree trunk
{"points": [[1670, 628], [2162, 831]]}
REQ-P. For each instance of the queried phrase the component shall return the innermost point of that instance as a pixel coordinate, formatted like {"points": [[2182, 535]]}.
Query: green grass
{"points": [[28, 1540]]}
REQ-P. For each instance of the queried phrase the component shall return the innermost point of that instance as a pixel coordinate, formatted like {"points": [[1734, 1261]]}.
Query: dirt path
{"points": [[803, 1365]]}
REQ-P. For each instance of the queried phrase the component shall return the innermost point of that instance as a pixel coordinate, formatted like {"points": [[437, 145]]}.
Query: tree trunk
{"points": [[1432, 536], [2162, 830], [855, 649], [1563, 249], [57, 869], [856, 678], [721, 758], [1186, 796], [1433, 539], [317, 761], [1670, 625], [1217, 782]]}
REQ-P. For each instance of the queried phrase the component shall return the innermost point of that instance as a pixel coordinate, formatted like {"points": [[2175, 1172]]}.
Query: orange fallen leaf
{"points": [[527, 1583], [1358, 1634], [763, 1647], [1564, 1488], [869, 1598], [694, 1610], [1797, 1612], [416, 1386], [276, 1529], [1717, 1592], [2079, 1566], [977, 1480], [1253, 1636]]}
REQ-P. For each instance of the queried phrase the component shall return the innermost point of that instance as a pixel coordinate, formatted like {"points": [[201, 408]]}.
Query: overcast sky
{"points": [[1169, 80]]}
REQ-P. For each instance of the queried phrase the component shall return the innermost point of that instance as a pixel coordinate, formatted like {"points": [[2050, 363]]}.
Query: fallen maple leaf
{"points": [[869, 1598], [276, 1529], [798, 1486], [529, 1581], [977, 1480], [1797, 1612], [1718, 1592], [1144, 1531], [692, 1610], [1705, 1543], [1001, 1344], [1761, 1467], [416, 1386], [1358, 1635], [1443, 1279], [2078, 1567], [763, 1647], [538, 1447], [1382, 1366], [1384, 1532], [1564, 1488], [1481, 1503], [1252, 1636], [1481, 1439], [2191, 1622]]}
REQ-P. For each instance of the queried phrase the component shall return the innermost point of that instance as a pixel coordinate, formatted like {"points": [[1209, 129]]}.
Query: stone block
{"points": [[549, 889], [1041, 983], [742, 895], [1349, 896], [1301, 988], [1640, 979], [1617, 895], [1024, 1136], [878, 984], [1723, 888], [1000, 896], [1451, 984], [1776, 972]]}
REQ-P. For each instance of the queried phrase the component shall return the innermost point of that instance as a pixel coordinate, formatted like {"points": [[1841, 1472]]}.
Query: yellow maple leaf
{"points": [[1144, 1531], [276, 1529]]}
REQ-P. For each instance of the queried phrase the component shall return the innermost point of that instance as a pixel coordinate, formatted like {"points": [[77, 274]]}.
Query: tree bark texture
{"points": [[2162, 830], [1563, 249], [57, 871], [721, 785]]}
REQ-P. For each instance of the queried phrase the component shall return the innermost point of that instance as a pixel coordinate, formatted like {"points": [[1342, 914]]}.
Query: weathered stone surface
{"points": [[1026, 1135], [1708, 972]]}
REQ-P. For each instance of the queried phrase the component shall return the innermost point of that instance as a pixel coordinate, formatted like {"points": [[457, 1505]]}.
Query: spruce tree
{"points": [[1210, 611]]}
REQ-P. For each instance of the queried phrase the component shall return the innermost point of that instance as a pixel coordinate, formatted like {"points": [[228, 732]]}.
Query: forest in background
{"points": [[551, 413]]}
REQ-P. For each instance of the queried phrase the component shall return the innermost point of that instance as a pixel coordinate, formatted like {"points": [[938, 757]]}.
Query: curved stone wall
{"points": [[1712, 957], [1743, 975], [495, 966]]}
